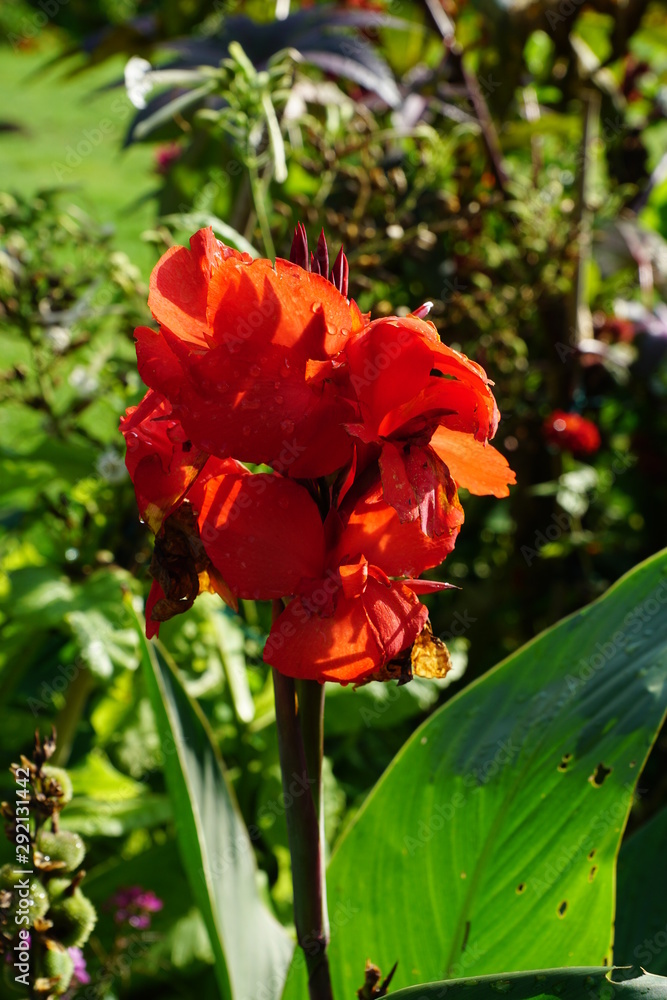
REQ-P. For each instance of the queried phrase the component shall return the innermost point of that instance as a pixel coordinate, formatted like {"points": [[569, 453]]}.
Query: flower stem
{"points": [[299, 725], [259, 200]]}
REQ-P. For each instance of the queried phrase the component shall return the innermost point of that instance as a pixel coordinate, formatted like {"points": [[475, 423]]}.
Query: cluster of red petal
{"points": [[571, 432], [369, 428]]}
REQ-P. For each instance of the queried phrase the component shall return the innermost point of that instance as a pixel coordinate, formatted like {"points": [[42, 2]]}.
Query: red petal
{"points": [[232, 355], [448, 402], [156, 594], [158, 365], [389, 365], [373, 528], [179, 283], [362, 634], [161, 461], [354, 576], [419, 488], [262, 533], [477, 467], [393, 372]]}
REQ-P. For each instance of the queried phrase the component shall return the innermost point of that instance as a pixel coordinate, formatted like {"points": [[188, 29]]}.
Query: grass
{"points": [[66, 135]]}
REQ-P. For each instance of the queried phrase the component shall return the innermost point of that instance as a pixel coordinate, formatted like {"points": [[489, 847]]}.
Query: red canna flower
{"points": [[369, 429], [571, 432]]}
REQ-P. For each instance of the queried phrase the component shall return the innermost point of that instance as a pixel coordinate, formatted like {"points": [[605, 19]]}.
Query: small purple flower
{"points": [[80, 975], [134, 905], [149, 901]]}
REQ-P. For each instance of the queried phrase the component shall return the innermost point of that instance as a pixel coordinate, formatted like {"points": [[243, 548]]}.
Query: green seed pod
{"points": [[64, 846], [58, 964], [73, 919], [56, 778], [56, 887], [32, 904], [7, 877]]}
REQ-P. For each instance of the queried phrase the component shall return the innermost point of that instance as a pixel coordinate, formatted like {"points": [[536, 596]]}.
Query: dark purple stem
{"points": [[299, 726]]}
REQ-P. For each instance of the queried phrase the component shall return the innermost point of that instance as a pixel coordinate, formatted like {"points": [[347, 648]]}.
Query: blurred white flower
{"points": [[59, 338], [137, 81], [83, 381], [110, 466], [141, 78]]}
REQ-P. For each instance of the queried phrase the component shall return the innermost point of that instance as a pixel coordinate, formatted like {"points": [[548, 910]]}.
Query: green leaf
{"points": [[103, 645], [97, 778], [231, 645], [116, 818], [641, 920], [490, 842], [166, 112], [251, 948], [186, 942], [565, 984]]}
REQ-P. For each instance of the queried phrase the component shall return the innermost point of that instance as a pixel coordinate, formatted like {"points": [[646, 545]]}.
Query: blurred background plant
{"points": [[506, 162]]}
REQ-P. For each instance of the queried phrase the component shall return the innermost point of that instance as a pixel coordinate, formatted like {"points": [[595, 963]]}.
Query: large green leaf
{"points": [[490, 842], [641, 921], [565, 984], [251, 949]]}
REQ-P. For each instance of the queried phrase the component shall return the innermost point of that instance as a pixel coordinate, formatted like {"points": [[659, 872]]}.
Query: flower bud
{"points": [[58, 964], [64, 850], [55, 778], [73, 919], [32, 905]]}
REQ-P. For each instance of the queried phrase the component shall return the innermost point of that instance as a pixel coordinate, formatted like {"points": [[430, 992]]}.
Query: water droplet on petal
{"points": [[317, 307], [279, 400], [287, 426], [255, 371]]}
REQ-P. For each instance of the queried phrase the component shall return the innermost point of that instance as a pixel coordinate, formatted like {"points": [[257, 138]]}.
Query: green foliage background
{"points": [[427, 208]]}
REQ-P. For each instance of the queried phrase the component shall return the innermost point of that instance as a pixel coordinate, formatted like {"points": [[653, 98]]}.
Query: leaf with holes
{"points": [[490, 842]]}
